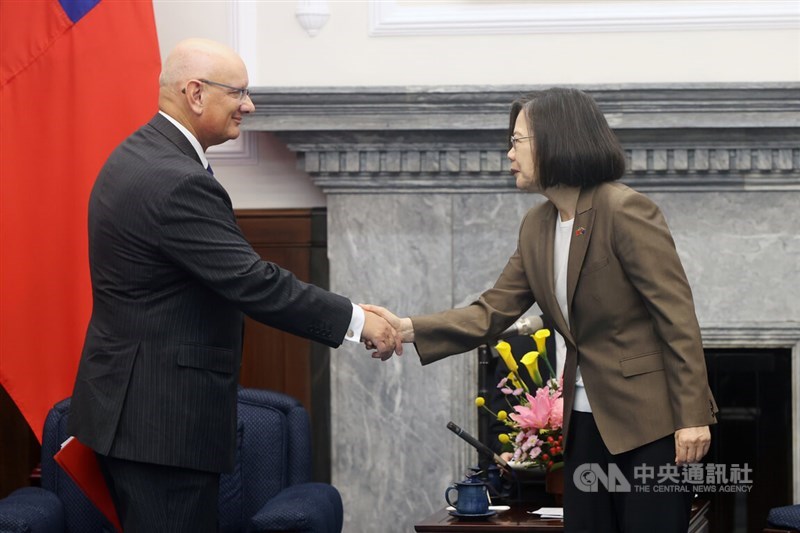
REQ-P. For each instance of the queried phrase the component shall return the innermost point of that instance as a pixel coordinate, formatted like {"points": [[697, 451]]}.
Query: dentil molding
{"points": [[710, 137]]}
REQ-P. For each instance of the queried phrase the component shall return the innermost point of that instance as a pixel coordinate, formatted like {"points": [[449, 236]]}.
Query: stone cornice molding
{"points": [[450, 139], [752, 335]]}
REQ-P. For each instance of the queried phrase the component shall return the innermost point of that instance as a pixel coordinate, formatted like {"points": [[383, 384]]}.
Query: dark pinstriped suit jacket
{"points": [[171, 276]]}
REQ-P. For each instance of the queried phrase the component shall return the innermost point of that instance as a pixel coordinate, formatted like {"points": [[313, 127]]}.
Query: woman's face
{"points": [[522, 157]]}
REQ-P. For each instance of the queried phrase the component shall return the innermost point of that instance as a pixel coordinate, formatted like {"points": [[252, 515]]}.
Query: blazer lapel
{"points": [[545, 251], [581, 233]]}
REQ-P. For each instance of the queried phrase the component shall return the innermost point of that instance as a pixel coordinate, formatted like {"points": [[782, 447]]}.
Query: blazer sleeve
{"points": [[647, 252], [198, 231], [458, 330]]}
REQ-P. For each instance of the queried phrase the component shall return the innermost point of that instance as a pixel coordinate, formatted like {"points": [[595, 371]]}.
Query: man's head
{"points": [[204, 87]]}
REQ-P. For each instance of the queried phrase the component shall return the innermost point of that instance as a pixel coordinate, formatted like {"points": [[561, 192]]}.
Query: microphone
{"points": [[524, 326], [475, 443]]}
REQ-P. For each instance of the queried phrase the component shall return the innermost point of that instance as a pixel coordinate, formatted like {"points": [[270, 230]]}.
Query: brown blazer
{"points": [[632, 324]]}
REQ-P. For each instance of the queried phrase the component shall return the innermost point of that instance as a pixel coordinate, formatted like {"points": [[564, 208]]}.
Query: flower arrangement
{"points": [[534, 425]]}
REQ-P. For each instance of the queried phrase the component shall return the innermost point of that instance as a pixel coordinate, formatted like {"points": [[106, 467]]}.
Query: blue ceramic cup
{"points": [[472, 497]]}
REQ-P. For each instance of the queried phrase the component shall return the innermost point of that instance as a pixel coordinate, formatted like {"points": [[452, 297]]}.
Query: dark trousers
{"points": [[154, 498], [634, 510]]}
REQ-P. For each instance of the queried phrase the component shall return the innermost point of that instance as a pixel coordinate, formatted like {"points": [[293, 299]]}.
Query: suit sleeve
{"points": [[458, 330], [199, 232], [647, 252]]}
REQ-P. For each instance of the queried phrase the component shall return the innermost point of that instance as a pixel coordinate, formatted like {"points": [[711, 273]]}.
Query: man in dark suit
{"points": [[172, 275]]}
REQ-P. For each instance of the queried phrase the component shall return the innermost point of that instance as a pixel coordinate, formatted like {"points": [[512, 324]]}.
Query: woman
{"points": [[599, 260]]}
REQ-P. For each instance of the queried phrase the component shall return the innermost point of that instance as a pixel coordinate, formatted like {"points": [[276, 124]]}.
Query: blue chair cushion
{"points": [[305, 507], [787, 517], [31, 510]]}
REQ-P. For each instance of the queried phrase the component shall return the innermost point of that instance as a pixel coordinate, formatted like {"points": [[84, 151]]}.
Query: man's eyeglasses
{"points": [[240, 92], [513, 140]]}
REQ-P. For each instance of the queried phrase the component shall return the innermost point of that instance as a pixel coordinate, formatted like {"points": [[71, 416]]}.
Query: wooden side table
{"points": [[518, 519]]}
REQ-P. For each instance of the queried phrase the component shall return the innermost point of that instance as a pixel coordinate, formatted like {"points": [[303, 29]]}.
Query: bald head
{"points": [[197, 58]]}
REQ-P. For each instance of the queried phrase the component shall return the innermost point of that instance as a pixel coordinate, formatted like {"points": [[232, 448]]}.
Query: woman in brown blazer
{"points": [[599, 260]]}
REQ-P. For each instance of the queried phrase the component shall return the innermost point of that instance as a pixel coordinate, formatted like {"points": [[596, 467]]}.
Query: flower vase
{"points": [[554, 484]]}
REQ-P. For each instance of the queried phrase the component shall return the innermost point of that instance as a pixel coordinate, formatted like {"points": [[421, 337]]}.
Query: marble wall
{"points": [[423, 217]]}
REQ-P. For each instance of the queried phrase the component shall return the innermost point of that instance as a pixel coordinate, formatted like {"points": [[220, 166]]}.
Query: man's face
{"points": [[224, 107]]}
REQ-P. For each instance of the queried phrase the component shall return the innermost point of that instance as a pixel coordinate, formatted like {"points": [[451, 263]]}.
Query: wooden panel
{"points": [[272, 359], [295, 239]]}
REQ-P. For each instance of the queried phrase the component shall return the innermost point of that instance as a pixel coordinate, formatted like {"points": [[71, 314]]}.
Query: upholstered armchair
{"points": [[269, 489]]}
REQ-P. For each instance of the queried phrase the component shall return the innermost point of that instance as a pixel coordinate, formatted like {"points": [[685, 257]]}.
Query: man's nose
{"points": [[247, 105]]}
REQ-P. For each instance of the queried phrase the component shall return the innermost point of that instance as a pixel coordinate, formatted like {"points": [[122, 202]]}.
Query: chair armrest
{"points": [[787, 517], [305, 507], [31, 510]]}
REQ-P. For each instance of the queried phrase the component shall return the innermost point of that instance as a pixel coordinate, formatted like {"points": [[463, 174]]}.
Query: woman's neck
{"points": [[565, 199]]}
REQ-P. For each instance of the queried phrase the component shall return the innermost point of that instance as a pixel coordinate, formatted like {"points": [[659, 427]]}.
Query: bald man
{"points": [[172, 276]]}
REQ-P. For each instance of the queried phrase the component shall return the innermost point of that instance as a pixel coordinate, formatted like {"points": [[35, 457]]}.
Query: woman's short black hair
{"points": [[573, 144]]}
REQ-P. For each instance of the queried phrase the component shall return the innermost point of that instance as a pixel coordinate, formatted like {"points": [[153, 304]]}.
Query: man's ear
{"points": [[194, 96]]}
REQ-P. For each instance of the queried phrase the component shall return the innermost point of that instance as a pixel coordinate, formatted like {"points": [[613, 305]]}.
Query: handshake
{"points": [[385, 332]]}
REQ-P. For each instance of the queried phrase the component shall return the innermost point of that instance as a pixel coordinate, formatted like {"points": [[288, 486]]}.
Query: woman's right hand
{"points": [[403, 326]]}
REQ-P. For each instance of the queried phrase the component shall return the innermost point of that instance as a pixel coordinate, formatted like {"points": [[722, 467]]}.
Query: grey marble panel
{"points": [[485, 232], [392, 455], [741, 252]]}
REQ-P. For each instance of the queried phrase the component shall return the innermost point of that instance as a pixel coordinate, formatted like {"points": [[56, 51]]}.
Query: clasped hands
{"points": [[385, 332]]}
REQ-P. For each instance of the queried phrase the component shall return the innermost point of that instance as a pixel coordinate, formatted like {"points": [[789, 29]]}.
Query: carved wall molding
{"points": [[458, 170], [243, 34], [390, 18], [445, 139], [240, 151]]}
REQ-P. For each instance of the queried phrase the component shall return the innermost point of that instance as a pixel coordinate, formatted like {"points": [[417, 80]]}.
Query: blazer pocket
{"points": [[207, 358], [642, 364], [594, 265]]}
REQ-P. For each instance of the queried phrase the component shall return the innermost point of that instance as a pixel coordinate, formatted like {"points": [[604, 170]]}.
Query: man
{"points": [[172, 274]]}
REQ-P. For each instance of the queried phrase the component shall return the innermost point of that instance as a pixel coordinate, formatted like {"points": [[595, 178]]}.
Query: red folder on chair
{"points": [[80, 462]]}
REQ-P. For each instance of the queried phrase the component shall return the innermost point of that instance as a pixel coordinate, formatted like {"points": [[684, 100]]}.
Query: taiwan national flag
{"points": [[76, 78]]}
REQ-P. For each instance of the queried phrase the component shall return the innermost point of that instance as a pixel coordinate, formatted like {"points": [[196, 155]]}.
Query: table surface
{"points": [[516, 519]]}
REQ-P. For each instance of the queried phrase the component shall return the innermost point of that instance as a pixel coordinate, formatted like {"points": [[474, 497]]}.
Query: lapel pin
{"points": [[580, 231]]}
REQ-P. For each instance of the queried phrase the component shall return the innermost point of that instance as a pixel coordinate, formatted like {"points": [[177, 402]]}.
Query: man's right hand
{"points": [[403, 326], [381, 336]]}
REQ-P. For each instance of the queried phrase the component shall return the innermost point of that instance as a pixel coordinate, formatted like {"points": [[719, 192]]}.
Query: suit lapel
{"points": [[581, 233]]}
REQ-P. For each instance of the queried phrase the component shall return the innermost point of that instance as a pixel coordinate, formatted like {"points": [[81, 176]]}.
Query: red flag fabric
{"points": [[76, 78]]}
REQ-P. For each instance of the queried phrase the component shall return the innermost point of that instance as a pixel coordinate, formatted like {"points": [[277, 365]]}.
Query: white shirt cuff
{"points": [[356, 325]]}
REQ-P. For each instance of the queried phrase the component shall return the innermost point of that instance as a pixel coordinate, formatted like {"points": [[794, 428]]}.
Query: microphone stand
{"points": [[484, 358]]}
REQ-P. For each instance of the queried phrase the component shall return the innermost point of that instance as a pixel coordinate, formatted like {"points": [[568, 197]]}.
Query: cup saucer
{"points": [[476, 516]]}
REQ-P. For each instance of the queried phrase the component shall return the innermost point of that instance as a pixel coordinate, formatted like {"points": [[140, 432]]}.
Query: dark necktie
{"points": [[210, 170]]}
